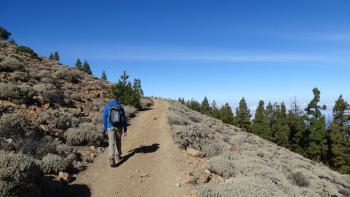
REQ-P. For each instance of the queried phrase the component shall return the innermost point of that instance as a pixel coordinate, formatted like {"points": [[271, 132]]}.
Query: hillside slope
{"points": [[49, 115], [242, 164]]}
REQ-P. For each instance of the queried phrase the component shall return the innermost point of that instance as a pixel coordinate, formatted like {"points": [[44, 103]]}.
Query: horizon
{"points": [[271, 51]]}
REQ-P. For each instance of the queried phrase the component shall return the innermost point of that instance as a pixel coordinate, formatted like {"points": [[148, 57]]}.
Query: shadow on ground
{"points": [[52, 187], [142, 149]]}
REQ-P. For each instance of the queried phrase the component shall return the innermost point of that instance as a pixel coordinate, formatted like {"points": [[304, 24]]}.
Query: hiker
{"points": [[115, 126]]}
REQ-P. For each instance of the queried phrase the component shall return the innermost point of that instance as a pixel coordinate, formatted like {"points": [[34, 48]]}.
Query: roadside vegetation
{"points": [[303, 131]]}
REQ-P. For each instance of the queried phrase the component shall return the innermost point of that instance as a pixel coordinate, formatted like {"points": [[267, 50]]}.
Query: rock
{"points": [[145, 103], [92, 155], [203, 178], [100, 149], [65, 176], [92, 148], [178, 185], [190, 179], [193, 152]]}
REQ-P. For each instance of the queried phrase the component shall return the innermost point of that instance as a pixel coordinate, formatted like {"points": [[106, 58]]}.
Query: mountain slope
{"points": [[242, 164]]}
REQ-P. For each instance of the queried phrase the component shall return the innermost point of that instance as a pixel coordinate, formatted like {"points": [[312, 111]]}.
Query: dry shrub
{"points": [[58, 119], [86, 133], [221, 166], [19, 175], [299, 179], [52, 163], [242, 186], [18, 126]]}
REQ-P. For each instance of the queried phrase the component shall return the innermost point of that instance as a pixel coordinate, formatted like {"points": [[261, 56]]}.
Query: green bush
{"points": [[17, 126], [221, 166], [19, 175], [86, 133], [126, 94], [52, 163], [26, 50]]}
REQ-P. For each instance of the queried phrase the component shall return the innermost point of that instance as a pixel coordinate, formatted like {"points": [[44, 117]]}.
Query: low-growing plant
{"points": [[19, 175], [176, 119], [18, 126], [299, 179], [221, 166], [64, 150], [9, 64], [37, 148], [26, 50], [22, 94], [52, 163], [215, 147], [49, 92], [241, 186], [58, 119], [86, 133]]}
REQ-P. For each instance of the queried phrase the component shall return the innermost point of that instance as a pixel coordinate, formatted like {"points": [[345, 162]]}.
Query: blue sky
{"points": [[271, 50]]}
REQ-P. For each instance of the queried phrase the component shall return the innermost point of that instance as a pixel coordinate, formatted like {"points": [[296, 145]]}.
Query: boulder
{"points": [[145, 103], [194, 153], [65, 176]]}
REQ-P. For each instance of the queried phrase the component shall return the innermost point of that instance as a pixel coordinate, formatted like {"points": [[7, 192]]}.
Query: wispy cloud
{"points": [[190, 55]]}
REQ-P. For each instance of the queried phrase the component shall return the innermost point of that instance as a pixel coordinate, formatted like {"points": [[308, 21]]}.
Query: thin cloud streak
{"points": [[222, 58]]}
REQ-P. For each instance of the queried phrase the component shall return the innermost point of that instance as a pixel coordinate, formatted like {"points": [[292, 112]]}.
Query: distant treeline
{"points": [[303, 131]]}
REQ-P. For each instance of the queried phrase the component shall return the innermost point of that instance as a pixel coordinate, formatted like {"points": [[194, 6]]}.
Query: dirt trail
{"points": [[153, 165]]}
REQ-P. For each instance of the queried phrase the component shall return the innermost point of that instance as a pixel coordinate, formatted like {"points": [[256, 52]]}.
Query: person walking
{"points": [[115, 126]]}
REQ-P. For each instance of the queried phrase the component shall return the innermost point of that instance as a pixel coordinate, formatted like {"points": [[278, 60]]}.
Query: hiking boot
{"points": [[112, 162], [118, 158]]}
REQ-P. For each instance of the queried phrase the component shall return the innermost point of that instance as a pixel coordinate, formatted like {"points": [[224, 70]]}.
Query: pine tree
{"points": [[78, 64], [104, 76], [260, 122], [137, 87], [56, 56], [124, 79], [86, 68], [51, 56], [181, 100], [243, 116], [296, 126], [281, 128], [225, 114], [214, 110], [338, 138], [194, 105], [316, 131], [205, 108]]}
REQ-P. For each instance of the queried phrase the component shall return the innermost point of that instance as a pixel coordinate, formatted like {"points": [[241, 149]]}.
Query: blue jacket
{"points": [[105, 115]]}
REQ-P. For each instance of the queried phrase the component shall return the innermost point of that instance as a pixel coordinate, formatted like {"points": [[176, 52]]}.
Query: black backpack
{"points": [[115, 115]]}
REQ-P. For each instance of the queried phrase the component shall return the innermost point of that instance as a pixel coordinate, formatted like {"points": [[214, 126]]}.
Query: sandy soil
{"points": [[152, 164]]}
